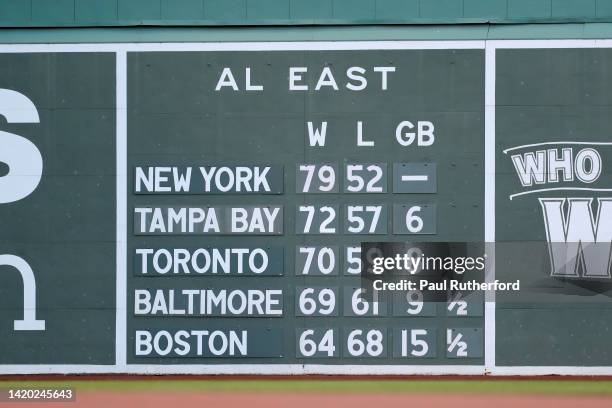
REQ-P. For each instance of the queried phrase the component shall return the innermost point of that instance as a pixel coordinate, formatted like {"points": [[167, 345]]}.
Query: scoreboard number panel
{"points": [[414, 218], [464, 342], [313, 260], [413, 303], [366, 219], [365, 342], [317, 342], [317, 219], [365, 178], [352, 260], [414, 342], [465, 304], [316, 301], [415, 177], [358, 303], [317, 178]]}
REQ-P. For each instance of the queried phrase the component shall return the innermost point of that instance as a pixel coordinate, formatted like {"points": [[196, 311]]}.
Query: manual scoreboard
{"points": [[254, 177]]}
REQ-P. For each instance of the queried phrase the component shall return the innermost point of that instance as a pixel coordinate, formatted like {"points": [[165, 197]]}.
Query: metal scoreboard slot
{"points": [[316, 301], [464, 342], [365, 342], [357, 303], [414, 218], [366, 219], [416, 342], [365, 178], [465, 303], [317, 342], [317, 178], [317, 219], [413, 303], [415, 177], [313, 260]]}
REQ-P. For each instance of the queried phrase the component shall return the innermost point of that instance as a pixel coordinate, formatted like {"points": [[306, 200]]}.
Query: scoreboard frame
{"points": [[120, 50]]}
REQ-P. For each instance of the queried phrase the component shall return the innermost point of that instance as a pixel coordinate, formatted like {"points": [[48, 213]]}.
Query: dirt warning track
{"points": [[300, 400]]}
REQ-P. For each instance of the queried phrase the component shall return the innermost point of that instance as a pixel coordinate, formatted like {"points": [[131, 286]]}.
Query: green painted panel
{"points": [[573, 8], [225, 10], [603, 8], [267, 9], [529, 9], [441, 9], [15, 11], [56, 229], [355, 9], [314, 9], [96, 10], [59, 11], [555, 337], [182, 9], [139, 9], [392, 9], [491, 9], [562, 98]]}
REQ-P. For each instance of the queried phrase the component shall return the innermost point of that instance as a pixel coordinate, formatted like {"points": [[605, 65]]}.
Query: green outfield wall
{"points": [[206, 187]]}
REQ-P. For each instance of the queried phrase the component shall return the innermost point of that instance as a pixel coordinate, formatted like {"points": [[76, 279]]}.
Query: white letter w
{"points": [[578, 240]]}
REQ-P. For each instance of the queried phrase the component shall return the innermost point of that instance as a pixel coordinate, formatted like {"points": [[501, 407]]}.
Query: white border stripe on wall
{"points": [[121, 248], [247, 369], [489, 205], [527, 44]]}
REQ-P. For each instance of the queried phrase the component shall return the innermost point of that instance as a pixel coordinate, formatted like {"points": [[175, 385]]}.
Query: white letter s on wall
{"points": [[22, 156]]}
